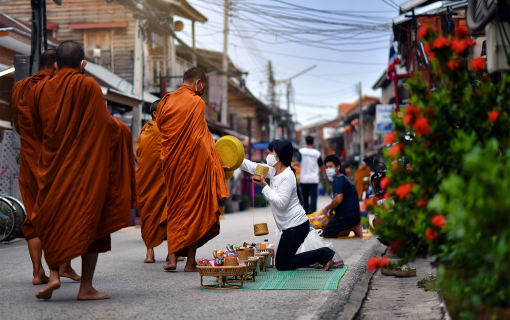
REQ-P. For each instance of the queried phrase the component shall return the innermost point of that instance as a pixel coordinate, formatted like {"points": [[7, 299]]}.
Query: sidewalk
{"points": [[390, 297]]}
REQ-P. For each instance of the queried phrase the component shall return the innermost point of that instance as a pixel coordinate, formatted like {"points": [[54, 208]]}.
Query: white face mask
{"points": [[331, 172], [271, 160]]}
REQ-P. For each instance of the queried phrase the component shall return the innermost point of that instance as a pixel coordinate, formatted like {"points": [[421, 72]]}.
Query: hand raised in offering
{"points": [[259, 180]]}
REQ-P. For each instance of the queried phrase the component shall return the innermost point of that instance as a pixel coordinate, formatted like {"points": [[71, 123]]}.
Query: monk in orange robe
{"points": [[361, 185], [194, 176], [85, 170], [150, 185], [29, 155]]}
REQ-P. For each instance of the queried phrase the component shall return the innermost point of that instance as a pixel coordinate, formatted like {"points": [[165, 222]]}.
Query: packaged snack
{"points": [[215, 253]]}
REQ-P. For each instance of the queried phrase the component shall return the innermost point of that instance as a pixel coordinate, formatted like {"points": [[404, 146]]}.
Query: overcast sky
{"points": [[318, 92]]}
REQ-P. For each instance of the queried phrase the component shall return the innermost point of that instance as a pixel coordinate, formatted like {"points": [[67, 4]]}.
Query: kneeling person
{"points": [[345, 203]]}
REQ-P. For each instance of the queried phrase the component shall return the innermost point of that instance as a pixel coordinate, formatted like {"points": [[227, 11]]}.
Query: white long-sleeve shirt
{"points": [[282, 195]]}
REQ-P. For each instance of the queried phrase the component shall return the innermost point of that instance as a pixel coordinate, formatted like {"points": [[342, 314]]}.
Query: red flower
{"points": [[493, 115], [383, 262], [422, 203], [429, 112], [372, 264], [422, 126], [396, 150], [408, 120], [461, 31], [413, 110], [403, 191], [452, 64], [385, 183], [428, 50], [440, 42], [438, 221], [369, 202], [459, 46], [390, 138], [396, 246], [478, 64], [409, 167], [431, 234], [422, 31]]}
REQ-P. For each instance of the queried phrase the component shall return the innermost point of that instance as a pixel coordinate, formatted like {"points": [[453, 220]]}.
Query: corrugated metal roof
{"points": [[116, 82]]}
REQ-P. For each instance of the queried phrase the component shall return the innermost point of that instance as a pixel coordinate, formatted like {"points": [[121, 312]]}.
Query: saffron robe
{"points": [[358, 180], [150, 185], [85, 171], [30, 146], [194, 175]]}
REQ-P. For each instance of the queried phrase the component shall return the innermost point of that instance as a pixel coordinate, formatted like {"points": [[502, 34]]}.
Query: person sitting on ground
{"points": [[286, 204], [345, 203]]}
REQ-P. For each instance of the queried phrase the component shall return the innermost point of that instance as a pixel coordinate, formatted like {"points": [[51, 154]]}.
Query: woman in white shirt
{"points": [[286, 205]]}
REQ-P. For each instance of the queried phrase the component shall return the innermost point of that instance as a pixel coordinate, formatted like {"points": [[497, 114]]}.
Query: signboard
{"points": [[383, 117]]}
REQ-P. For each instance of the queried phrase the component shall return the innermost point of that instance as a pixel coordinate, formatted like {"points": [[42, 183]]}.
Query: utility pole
{"points": [[138, 81], [361, 128], [272, 99], [224, 96]]}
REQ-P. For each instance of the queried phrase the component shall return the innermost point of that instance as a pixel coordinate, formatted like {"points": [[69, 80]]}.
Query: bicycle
{"points": [[12, 216]]}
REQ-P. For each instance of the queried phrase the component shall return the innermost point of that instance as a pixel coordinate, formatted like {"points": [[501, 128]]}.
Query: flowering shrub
{"points": [[434, 134], [477, 205], [464, 106]]}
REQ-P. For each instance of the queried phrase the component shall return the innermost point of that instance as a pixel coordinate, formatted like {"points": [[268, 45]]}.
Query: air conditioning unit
{"points": [[497, 46]]}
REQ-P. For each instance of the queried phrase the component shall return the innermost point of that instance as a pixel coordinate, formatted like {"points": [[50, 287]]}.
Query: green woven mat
{"points": [[301, 279]]}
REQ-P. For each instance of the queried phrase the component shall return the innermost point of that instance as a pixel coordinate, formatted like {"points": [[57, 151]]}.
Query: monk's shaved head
{"points": [[70, 54], [191, 75], [48, 59], [154, 108]]}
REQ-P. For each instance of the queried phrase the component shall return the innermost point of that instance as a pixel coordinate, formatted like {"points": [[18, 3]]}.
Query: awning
{"points": [[110, 80], [120, 97]]}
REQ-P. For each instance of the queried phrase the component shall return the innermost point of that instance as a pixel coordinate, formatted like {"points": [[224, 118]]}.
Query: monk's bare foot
{"points": [[328, 266], [149, 258], [48, 290], [91, 294], [181, 259], [191, 269], [167, 257], [170, 266], [71, 274], [40, 279]]}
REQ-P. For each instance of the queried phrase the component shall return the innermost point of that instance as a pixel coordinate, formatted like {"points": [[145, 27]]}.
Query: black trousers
{"points": [[290, 241], [309, 190], [339, 223]]}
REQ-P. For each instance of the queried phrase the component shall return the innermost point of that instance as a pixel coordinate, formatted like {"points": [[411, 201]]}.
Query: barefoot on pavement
{"points": [[92, 294], [48, 290], [69, 273], [40, 279]]}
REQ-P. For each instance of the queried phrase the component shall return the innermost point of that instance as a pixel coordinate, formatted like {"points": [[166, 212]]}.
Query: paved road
{"points": [[145, 291]]}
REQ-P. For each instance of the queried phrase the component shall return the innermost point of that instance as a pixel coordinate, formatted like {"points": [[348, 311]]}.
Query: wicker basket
{"points": [[263, 258], [231, 152], [230, 261], [261, 229], [251, 271], [243, 255], [251, 252], [221, 274]]}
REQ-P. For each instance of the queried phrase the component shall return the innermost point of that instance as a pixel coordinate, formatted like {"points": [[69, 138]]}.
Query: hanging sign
{"points": [[383, 117]]}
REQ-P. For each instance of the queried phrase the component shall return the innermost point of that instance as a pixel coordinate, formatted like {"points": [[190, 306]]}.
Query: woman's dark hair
{"points": [[332, 158], [285, 151]]}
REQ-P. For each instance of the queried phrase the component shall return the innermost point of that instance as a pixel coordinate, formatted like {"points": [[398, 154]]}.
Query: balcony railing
{"points": [[160, 66]]}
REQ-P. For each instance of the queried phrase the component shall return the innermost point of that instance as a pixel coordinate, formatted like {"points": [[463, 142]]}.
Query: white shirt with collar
{"points": [[282, 195]]}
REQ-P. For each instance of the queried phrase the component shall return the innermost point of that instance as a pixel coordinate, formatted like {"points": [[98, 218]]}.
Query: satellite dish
{"points": [[178, 25]]}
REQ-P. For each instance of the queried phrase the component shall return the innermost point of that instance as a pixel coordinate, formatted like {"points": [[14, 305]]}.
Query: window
{"points": [[98, 47]]}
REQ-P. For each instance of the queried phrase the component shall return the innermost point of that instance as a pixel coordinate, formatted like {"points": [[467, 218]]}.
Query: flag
{"points": [[393, 60]]}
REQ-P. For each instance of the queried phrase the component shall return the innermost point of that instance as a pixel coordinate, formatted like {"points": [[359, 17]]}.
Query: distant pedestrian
{"points": [[345, 203], [359, 176], [310, 160]]}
